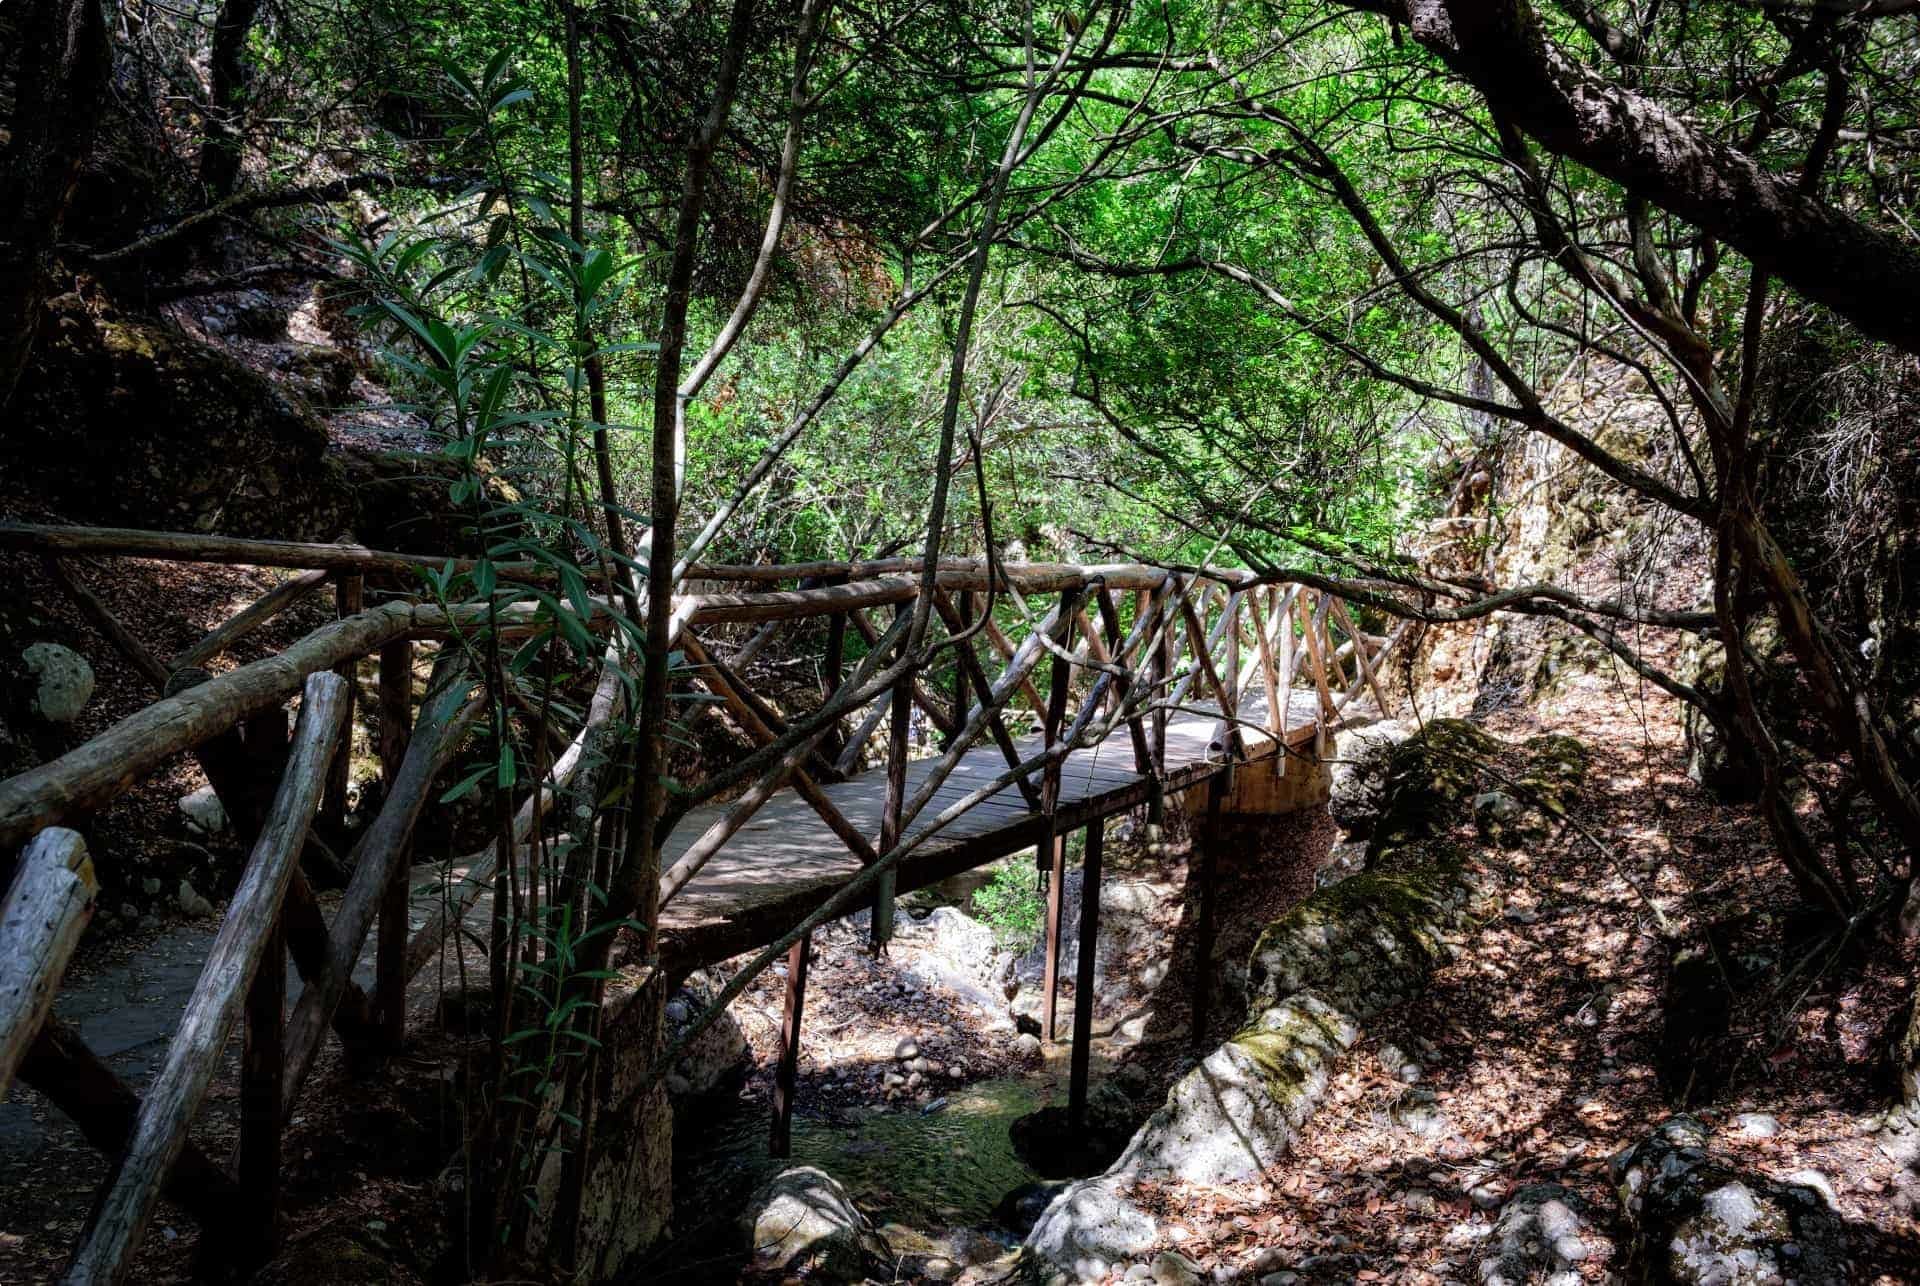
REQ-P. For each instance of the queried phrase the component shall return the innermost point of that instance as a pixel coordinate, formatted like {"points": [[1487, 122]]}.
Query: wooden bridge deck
{"points": [[785, 862]]}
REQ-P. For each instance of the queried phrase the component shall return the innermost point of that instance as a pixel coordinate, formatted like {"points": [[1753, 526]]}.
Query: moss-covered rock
{"points": [[1430, 785]]}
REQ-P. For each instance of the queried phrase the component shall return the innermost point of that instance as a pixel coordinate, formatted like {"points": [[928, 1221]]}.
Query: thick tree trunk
{"points": [[1864, 274], [64, 58], [220, 150]]}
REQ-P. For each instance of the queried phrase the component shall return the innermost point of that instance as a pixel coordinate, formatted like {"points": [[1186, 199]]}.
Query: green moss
{"points": [[1430, 784], [1288, 1045]]}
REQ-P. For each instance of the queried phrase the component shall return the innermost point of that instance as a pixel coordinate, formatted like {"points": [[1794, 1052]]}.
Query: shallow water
{"points": [[927, 1173]]}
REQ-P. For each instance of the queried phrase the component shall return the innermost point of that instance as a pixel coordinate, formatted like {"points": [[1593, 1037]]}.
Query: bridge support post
{"points": [[901, 714], [1083, 977], [1053, 853], [786, 1074], [1206, 853]]}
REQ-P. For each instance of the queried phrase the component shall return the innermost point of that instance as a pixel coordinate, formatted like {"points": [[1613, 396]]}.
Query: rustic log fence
{"points": [[1065, 655]]}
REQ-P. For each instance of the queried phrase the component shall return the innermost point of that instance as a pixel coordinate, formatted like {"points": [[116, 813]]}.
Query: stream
{"points": [[920, 1176]]}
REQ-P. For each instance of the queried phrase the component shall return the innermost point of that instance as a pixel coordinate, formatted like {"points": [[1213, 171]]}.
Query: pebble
{"points": [[1756, 1125], [907, 1050]]}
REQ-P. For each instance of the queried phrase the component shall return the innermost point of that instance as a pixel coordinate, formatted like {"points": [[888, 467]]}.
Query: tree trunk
{"points": [[64, 57], [1861, 272], [227, 70]]}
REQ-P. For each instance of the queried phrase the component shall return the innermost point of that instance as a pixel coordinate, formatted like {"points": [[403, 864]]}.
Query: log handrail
{"points": [[45, 910], [171, 1102]]}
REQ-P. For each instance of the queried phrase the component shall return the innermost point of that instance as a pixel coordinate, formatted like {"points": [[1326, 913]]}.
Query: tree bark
{"points": [[64, 61], [1864, 274], [227, 70]]}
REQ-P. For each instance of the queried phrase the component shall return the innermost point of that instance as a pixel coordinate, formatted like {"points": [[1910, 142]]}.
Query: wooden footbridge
{"points": [[1104, 689]]}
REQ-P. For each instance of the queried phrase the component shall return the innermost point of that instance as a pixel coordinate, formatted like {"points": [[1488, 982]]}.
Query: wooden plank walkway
{"points": [[785, 862]]}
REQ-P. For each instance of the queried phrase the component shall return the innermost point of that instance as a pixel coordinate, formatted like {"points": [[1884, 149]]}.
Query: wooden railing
{"points": [[1077, 652]]}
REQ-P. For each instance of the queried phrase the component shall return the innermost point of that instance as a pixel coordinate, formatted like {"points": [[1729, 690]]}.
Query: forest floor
{"points": [[1535, 1048]]}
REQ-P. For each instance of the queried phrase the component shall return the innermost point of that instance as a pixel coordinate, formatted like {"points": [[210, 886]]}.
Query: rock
{"points": [[1756, 1125], [1398, 1065], [1027, 1045], [801, 1221], [1699, 1220], [1543, 1234], [62, 681], [1496, 810], [1345, 859], [1172, 1269], [717, 1060], [1358, 781], [1019, 1209], [204, 812], [907, 1050], [191, 903], [127, 421]]}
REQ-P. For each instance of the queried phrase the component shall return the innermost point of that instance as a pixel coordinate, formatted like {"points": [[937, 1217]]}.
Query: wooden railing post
{"points": [[962, 700], [1136, 727], [390, 965], [1163, 664], [239, 949], [262, 1111], [348, 592], [1054, 847], [831, 672]]}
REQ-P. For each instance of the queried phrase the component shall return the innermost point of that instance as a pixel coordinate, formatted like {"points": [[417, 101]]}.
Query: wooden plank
{"points": [[120, 1218], [1083, 979], [891, 819], [1208, 852], [45, 911]]}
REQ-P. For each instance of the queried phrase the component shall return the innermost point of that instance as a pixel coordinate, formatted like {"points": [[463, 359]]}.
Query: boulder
{"points": [[204, 812], [802, 1221], [60, 679], [717, 1060], [1698, 1219], [127, 421], [1358, 781], [1544, 1234]]}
